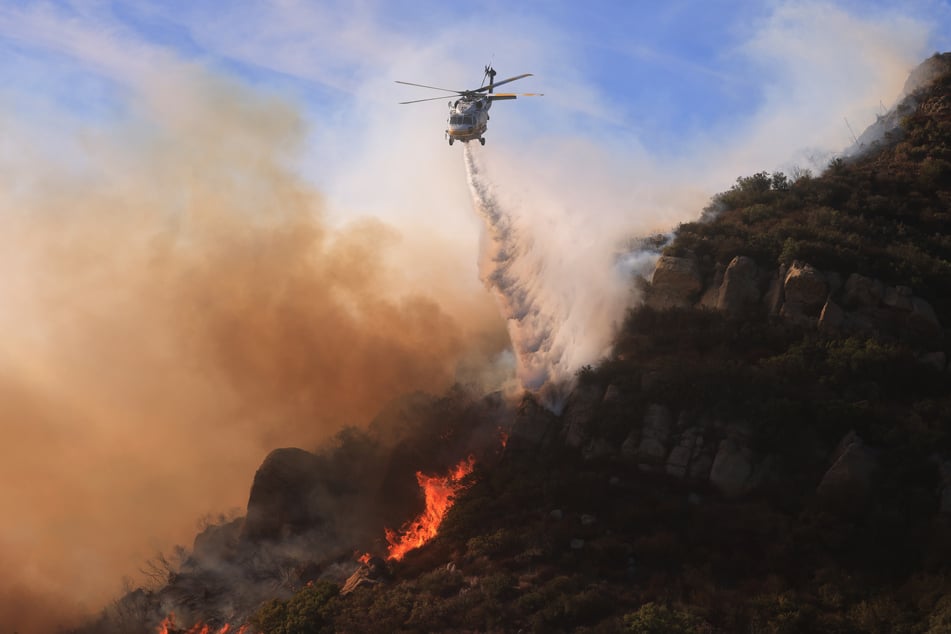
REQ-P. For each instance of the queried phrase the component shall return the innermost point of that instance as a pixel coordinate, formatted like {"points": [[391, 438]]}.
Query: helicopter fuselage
{"points": [[468, 119]]}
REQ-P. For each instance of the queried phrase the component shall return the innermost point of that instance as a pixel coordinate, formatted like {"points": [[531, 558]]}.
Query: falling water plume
{"points": [[510, 269]]}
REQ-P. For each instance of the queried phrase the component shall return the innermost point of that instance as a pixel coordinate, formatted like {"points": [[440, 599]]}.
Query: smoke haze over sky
{"points": [[220, 234]]}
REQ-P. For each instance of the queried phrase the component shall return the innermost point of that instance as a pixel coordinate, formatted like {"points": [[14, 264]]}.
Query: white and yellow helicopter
{"points": [[469, 114]]}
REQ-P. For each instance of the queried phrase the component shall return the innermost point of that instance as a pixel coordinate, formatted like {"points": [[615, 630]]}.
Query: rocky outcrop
{"points": [[847, 483], [861, 291], [685, 453], [676, 283], [831, 318], [732, 468], [922, 323], [898, 297], [654, 435], [802, 295], [278, 505], [740, 288], [805, 289]]}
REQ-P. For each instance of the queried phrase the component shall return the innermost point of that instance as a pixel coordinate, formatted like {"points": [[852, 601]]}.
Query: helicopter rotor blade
{"points": [[513, 95], [458, 92], [504, 81], [419, 100]]}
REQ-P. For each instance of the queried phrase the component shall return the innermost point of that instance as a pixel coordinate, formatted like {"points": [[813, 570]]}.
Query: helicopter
{"points": [[469, 114]]}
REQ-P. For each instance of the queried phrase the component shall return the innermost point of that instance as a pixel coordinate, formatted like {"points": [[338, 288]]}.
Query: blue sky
{"points": [[659, 73]]}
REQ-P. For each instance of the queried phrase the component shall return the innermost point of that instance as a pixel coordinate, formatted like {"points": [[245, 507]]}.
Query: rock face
{"points": [[676, 283], [832, 317], [685, 453], [802, 295], [732, 468], [740, 287], [923, 322], [805, 289], [861, 291], [277, 506], [656, 432], [848, 482], [898, 297]]}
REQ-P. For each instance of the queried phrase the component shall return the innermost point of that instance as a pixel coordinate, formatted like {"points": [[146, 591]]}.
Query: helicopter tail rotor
{"points": [[490, 73]]}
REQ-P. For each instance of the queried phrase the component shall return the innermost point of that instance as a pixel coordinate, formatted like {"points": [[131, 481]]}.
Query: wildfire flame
{"points": [[439, 491], [167, 626], [167, 622]]}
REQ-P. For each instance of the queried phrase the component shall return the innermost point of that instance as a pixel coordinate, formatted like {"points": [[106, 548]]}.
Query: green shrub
{"points": [[652, 618], [306, 612]]}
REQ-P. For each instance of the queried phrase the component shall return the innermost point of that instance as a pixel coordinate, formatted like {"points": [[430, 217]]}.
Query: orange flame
{"points": [[167, 626], [365, 558], [439, 493], [167, 622], [503, 436]]}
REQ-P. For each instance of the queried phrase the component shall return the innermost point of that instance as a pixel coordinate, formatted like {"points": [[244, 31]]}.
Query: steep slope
{"points": [[768, 449]]}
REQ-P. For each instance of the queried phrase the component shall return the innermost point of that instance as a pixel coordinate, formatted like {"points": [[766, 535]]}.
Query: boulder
{"points": [[731, 468], [832, 318], [861, 291], [630, 444], [740, 287], [834, 281], [683, 453], [805, 289], [281, 496], [676, 282], [847, 483], [655, 434], [898, 297], [923, 322]]}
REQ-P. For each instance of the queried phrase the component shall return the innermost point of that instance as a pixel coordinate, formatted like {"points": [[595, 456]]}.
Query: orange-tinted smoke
{"points": [[173, 305]]}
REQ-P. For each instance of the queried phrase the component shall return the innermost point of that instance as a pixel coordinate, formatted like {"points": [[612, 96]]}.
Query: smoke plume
{"points": [[560, 316], [173, 306]]}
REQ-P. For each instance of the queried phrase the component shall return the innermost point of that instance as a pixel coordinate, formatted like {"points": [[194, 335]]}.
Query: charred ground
{"points": [[748, 459]]}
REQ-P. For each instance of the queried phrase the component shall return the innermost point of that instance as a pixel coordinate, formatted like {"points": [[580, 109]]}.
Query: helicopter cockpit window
{"points": [[468, 120], [455, 119]]}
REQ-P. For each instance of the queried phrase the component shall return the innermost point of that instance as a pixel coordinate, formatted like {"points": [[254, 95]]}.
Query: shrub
{"points": [[652, 618]]}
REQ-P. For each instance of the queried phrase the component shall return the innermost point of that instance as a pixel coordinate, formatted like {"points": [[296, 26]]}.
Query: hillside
{"points": [[768, 449]]}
